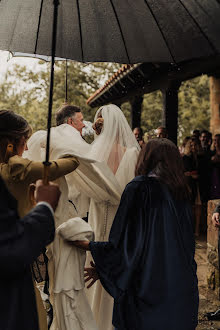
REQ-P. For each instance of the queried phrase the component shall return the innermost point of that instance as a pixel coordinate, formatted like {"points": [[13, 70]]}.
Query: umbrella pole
{"points": [[50, 104], [66, 83]]}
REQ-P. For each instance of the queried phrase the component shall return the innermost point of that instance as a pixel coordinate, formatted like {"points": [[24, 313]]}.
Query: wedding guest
{"points": [[182, 147], [21, 241], [138, 133], [18, 173], [148, 263], [161, 132], [215, 315], [216, 143], [206, 142], [215, 170], [204, 138], [216, 217], [191, 162], [196, 134], [205, 174]]}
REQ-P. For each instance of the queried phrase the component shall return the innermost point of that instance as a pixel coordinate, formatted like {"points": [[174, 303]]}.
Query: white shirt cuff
{"points": [[48, 205]]}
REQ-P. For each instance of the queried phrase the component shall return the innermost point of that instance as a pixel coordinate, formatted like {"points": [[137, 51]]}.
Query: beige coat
{"points": [[18, 174]]}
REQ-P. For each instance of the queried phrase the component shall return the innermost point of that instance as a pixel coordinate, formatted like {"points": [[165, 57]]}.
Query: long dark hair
{"points": [[162, 157], [12, 128]]}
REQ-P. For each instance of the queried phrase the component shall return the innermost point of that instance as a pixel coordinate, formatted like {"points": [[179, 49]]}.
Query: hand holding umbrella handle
{"points": [[46, 173], [32, 188]]}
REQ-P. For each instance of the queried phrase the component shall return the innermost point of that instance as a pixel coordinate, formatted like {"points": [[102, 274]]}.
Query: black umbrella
{"points": [[124, 31]]}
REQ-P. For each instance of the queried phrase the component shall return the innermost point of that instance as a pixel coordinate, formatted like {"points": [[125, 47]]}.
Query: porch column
{"points": [[170, 105], [136, 108], [215, 105]]}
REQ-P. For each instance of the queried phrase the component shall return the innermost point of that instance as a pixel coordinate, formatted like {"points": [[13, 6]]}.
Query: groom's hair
{"points": [[65, 112]]}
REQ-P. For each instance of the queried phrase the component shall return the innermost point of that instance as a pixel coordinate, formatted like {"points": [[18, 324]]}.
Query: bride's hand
{"points": [[90, 273]]}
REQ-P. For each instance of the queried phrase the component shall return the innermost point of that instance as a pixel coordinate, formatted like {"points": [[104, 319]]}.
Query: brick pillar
{"points": [[215, 105], [212, 251]]}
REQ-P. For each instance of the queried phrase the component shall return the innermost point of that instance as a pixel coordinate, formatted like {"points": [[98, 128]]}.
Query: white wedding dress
{"points": [[116, 146]]}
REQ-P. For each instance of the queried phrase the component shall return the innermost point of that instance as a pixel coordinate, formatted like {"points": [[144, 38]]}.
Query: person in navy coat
{"points": [[21, 241], [148, 264]]}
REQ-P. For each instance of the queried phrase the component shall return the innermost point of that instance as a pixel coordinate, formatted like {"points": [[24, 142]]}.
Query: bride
{"points": [[116, 146]]}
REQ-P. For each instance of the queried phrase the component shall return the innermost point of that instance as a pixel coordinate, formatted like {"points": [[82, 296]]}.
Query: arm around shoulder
{"points": [[58, 168]]}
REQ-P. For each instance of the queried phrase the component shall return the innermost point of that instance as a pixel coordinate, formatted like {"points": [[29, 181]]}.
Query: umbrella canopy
{"points": [[124, 31]]}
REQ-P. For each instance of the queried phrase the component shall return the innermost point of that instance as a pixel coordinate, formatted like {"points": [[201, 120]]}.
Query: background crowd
{"points": [[200, 153]]}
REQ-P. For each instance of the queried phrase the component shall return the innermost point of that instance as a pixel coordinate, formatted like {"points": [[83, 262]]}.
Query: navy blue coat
{"points": [[21, 241], [148, 264]]}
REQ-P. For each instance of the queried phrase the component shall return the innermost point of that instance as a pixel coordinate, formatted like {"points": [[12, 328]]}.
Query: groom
{"points": [[72, 115]]}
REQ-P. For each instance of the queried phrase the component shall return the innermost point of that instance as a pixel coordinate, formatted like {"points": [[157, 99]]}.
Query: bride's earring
{"points": [[9, 151]]}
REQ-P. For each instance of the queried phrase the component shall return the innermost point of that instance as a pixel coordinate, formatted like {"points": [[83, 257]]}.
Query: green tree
{"points": [[26, 92], [194, 107], [152, 111]]}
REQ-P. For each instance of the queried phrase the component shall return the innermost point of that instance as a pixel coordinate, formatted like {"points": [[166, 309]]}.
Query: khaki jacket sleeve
{"points": [[58, 168]]}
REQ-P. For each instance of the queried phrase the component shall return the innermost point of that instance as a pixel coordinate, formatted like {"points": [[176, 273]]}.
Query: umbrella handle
{"points": [[46, 173], [32, 188]]}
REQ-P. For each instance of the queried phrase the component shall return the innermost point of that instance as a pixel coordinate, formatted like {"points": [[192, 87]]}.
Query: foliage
{"points": [[152, 111], [26, 92], [194, 107]]}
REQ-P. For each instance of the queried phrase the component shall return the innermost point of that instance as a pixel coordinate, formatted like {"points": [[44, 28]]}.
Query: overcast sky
{"points": [[7, 61]]}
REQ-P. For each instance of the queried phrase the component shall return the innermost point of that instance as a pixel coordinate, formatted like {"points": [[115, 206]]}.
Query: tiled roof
{"points": [[124, 70], [138, 79]]}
